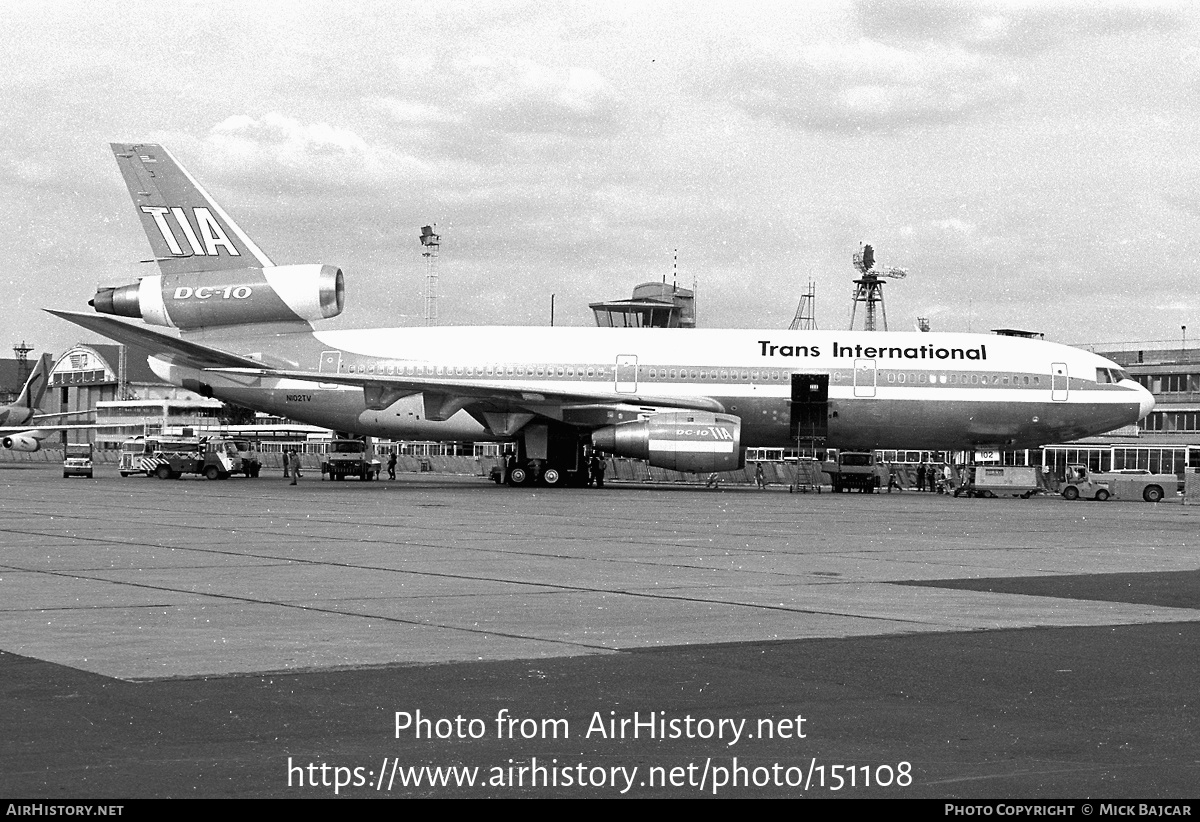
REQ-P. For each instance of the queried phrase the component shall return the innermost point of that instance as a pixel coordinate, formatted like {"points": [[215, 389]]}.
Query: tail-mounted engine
{"points": [[683, 441], [200, 299], [21, 442]]}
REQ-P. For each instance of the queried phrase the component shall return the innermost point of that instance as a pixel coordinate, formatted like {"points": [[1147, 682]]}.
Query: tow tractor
{"points": [[1131, 484]]}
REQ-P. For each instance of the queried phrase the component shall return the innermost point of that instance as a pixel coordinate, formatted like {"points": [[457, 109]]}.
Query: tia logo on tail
{"points": [[204, 239]]}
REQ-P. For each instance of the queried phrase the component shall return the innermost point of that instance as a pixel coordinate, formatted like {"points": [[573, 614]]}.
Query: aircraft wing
{"points": [[38, 419], [163, 346], [446, 395], [382, 391], [43, 430]]}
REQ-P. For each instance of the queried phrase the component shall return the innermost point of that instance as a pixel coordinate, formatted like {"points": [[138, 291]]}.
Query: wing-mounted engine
{"points": [[21, 442], [682, 441], [204, 299]]}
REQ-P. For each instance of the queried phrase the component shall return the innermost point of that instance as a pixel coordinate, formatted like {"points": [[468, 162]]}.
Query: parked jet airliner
{"points": [[688, 399], [14, 418]]}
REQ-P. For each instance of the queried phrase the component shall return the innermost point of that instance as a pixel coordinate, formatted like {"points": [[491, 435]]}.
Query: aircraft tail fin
{"points": [[35, 386], [187, 229]]}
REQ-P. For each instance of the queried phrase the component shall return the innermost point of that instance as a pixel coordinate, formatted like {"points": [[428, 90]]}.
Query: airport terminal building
{"points": [[122, 393]]}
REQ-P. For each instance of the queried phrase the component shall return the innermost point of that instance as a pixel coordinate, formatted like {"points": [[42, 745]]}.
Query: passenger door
{"points": [[864, 378], [331, 363], [810, 408], [1059, 382], [626, 373]]}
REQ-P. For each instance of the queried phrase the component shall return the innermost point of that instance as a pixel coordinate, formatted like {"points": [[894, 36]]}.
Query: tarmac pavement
{"points": [[195, 638]]}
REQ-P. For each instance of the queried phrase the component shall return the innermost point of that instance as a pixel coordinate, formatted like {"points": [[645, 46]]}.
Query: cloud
{"points": [[1007, 27], [524, 97], [864, 85], [294, 155], [292, 138]]}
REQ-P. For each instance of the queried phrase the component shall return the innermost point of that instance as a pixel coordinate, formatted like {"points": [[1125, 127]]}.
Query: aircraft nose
{"points": [[1145, 398]]}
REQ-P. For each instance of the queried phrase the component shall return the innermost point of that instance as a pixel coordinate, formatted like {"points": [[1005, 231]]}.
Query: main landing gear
{"points": [[547, 456]]}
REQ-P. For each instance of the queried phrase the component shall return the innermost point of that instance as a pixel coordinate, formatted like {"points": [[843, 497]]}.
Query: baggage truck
{"points": [[1002, 480], [349, 458], [849, 470]]}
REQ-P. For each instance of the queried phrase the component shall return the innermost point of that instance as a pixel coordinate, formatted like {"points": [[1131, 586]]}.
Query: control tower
{"points": [[654, 305]]}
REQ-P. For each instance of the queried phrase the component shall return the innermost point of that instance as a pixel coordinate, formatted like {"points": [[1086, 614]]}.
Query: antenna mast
{"points": [[806, 311], [431, 243]]}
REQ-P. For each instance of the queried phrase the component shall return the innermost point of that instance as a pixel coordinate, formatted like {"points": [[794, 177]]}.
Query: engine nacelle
{"points": [[695, 441], [203, 299], [21, 442]]}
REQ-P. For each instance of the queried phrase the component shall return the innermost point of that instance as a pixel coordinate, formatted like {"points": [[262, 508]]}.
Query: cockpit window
{"points": [[1110, 375]]}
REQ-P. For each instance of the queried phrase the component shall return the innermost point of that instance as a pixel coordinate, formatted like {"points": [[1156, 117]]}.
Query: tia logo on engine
{"points": [[701, 433], [204, 239], [204, 292]]}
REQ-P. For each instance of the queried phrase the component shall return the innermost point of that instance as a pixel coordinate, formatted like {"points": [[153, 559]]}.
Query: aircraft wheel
{"points": [[551, 476], [989, 495], [1071, 493], [518, 476], [1152, 493], [1101, 495], [163, 472], [212, 473]]}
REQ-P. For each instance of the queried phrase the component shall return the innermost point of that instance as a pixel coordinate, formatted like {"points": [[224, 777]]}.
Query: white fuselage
{"points": [[900, 389]]}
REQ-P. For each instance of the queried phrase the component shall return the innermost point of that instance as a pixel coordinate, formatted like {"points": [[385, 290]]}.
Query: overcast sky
{"points": [[1030, 164]]}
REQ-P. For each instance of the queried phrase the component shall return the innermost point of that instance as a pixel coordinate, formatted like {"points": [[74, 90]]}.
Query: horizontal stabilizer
{"points": [[163, 346]]}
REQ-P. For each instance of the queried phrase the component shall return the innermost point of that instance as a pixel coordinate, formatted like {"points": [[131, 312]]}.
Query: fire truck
{"points": [[212, 457], [145, 456], [133, 455]]}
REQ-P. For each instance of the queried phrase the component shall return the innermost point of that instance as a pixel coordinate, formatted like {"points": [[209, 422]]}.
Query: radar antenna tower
{"points": [[22, 350], [868, 290]]}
